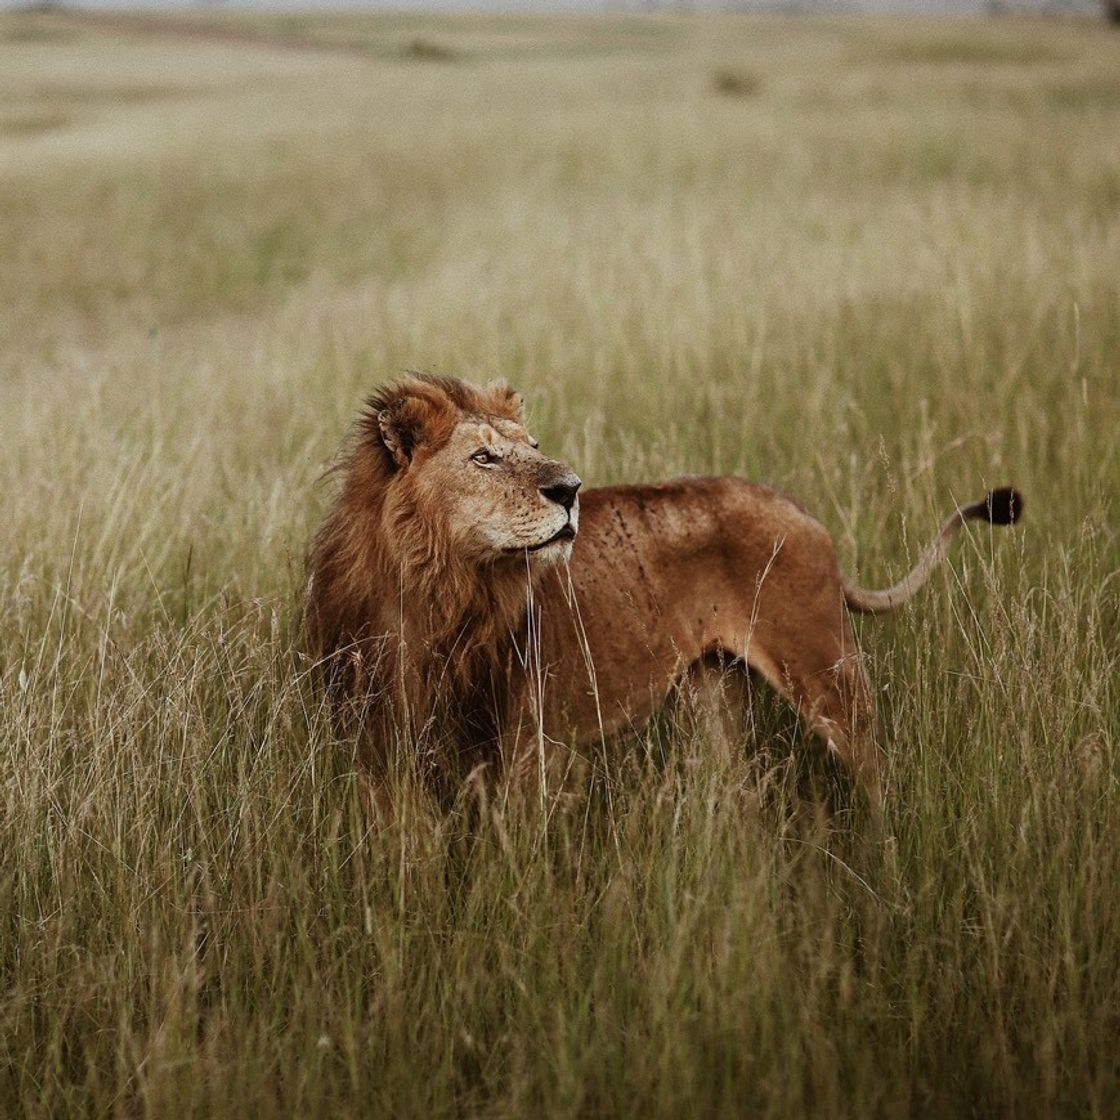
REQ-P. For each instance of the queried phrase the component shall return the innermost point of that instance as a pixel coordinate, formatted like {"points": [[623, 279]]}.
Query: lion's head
{"points": [[446, 515], [459, 464]]}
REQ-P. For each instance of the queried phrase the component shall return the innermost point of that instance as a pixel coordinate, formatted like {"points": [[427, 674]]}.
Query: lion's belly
{"points": [[602, 679], [646, 595], [660, 576]]}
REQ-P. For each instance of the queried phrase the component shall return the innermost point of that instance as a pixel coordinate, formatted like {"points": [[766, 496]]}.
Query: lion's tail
{"points": [[999, 507]]}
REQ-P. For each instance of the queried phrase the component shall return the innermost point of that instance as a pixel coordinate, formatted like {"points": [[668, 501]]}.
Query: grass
{"points": [[882, 288]]}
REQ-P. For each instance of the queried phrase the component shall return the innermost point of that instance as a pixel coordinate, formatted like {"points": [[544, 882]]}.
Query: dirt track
{"points": [[202, 30]]}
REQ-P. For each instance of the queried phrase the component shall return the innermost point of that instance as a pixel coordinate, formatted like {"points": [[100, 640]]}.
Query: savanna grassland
{"points": [[876, 263]]}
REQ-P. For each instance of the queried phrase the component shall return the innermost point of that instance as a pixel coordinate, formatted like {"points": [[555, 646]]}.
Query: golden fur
{"points": [[447, 600]]}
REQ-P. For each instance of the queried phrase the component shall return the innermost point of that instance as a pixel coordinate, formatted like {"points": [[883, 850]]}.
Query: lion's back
{"points": [[690, 519]]}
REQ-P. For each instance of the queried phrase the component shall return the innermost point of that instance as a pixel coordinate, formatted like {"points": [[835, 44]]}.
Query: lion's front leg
{"points": [[538, 769], [377, 800]]}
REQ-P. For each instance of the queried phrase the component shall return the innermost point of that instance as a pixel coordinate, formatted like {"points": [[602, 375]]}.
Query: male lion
{"points": [[449, 594]]}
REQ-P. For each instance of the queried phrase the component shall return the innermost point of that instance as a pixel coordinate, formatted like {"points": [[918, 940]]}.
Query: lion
{"points": [[463, 591]]}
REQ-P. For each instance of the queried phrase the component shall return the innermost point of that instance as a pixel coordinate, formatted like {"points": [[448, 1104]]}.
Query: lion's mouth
{"points": [[567, 533]]}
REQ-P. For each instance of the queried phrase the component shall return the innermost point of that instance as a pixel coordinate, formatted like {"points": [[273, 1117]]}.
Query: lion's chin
{"points": [[561, 539], [554, 550]]}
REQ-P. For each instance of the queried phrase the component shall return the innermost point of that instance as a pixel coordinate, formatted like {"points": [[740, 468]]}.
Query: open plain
{"points": [[873, 262]]}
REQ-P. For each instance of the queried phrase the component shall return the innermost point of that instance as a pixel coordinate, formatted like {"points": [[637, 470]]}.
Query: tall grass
{"points": [[884, 281]]}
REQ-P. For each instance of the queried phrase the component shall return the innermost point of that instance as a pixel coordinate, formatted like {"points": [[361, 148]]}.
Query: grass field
{"points": [[874, 263]]}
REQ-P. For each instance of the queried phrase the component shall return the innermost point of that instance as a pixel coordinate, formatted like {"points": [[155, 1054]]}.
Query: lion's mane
{"points": [[399, 625]]}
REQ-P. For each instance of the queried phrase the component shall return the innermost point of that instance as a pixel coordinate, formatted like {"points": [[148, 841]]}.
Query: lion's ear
{"points": [[507, 401], [401, 425]]}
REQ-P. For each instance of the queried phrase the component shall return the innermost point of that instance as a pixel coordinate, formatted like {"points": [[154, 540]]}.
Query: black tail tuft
{"points": [[1001, 507]]}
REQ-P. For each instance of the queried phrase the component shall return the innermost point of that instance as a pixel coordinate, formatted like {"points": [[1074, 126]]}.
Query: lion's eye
{"points": [[484, 457]]}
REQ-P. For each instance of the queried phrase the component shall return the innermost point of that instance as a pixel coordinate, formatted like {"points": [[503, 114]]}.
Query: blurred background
{"points": [[866, 252]]}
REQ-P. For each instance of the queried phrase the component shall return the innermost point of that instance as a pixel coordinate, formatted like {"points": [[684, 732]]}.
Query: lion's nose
{"points": [[563, 491]]}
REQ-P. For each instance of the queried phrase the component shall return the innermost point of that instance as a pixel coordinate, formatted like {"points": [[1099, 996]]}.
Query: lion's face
{"points": [[465, 466], [500, 497]]}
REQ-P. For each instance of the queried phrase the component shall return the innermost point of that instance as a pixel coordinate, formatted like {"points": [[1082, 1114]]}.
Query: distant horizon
{"points": [[885, 7]]}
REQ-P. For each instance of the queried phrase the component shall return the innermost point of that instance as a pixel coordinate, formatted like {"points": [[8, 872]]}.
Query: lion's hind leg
{"points": [[823, 676]]}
